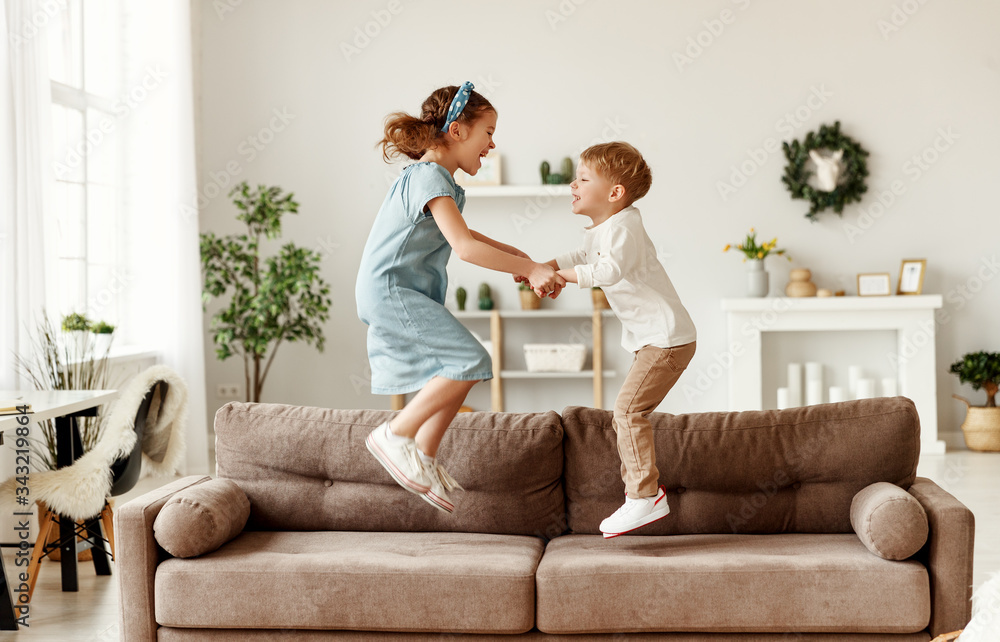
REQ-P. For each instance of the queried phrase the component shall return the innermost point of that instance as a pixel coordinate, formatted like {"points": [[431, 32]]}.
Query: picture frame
{"points": [[874, 284], [911, 276], [488, 174]]}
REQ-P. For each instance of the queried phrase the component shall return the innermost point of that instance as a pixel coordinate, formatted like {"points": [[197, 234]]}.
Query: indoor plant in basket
{"points": [[529, 300], [982, 423]]}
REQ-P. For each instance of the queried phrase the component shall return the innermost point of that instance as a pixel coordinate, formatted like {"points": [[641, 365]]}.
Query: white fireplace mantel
{"points": [[912, 317]]}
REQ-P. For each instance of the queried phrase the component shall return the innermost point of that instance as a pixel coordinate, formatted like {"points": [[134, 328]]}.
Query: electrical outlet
{"points": [[227, 391]]}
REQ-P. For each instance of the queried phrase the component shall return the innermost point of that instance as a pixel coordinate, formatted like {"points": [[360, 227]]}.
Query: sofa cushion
{"points": [[447, 582], [751, 583], [773, 471], [889, 521], [308, 469], [200, 519]]}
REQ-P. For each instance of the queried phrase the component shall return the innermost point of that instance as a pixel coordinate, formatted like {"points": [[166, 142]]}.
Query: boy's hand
{"points": [[543, 280]]}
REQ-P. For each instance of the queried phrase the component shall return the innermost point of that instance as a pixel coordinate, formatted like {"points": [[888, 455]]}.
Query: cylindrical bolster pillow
{"points": [[201, 518], [889, 521]]}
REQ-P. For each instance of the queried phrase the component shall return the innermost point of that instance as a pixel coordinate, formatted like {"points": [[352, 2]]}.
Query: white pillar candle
{"points": [[794, 384], [853, 374], [782, 398], [866, 389], [836, 394], [814, 393], [888, 387], [814, 372]]}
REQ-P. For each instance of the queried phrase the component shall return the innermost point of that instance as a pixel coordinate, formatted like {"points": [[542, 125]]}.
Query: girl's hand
{"points": [[543, 280]]}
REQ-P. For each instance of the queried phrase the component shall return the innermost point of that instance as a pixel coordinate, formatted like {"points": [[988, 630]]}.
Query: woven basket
{"points": [[981, 427], [555, 357], [947, 637]]}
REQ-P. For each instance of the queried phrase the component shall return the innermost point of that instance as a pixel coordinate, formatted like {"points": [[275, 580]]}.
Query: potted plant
{"points": [[103, 334], [753, 256], [271, 299], [529, 300], [76, 327], [982, 423]]}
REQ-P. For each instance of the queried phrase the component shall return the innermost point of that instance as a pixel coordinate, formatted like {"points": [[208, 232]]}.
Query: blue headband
{"points": [[458, 103]]}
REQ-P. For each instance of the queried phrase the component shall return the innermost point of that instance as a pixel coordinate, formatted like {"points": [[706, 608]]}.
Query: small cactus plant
{"points": [[460, 296], [550, 178], [567, 170], [545, 172], [485, 300]]}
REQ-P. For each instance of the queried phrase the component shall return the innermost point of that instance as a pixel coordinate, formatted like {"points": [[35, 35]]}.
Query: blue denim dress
{"points": [[401, 290]]}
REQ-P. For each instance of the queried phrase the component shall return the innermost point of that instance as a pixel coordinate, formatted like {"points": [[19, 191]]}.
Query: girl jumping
{"points": [[414, 343]]}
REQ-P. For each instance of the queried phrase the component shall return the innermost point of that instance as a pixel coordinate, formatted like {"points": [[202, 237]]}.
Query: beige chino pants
{"points": [[653, 373]]}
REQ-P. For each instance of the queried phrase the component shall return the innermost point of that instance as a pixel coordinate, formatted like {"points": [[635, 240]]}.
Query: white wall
{"points": [[561, 74]]}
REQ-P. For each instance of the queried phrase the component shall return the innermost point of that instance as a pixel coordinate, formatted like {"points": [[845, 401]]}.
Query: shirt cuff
{"points": [[584, 276], [564, 262]]}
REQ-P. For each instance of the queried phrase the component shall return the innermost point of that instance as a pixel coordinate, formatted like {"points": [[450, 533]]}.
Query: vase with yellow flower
{"points": [[754, 255]]}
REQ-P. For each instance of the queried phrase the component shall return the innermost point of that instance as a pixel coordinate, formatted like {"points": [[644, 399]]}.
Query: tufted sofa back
{"points": [[777, 471]]}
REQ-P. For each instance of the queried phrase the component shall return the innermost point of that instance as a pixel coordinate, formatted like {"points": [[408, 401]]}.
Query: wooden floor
{"points": [[92, 613]]}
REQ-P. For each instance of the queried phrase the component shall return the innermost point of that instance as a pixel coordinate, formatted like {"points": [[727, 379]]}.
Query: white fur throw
{"points": [[985, 623], [79, 491]]}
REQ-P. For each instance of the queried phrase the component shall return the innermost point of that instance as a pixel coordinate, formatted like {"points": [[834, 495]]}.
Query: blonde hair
{"points": [[621, 164], [411, 136]]}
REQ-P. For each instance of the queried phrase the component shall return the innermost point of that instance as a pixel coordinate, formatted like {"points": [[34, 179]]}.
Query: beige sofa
{"points": [[759, 544]]}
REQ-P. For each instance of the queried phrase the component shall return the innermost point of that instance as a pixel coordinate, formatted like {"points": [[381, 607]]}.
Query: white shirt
{"points": [[618, 257]]}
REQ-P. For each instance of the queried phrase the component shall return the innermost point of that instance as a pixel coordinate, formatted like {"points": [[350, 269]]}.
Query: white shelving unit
{"points": [[500, 191], [496, 318]]}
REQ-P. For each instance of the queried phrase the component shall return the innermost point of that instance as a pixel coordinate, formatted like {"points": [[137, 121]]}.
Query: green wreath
{"points": [[850, 185]]}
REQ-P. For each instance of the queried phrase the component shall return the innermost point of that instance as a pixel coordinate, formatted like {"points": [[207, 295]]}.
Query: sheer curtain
{"points": [[163, 302], [25, 176]]}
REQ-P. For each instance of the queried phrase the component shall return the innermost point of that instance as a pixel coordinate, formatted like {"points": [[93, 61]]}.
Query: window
{"points": [[86, 70]]}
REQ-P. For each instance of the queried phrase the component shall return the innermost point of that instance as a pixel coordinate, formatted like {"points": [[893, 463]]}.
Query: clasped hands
{"points": [[544, 280]]}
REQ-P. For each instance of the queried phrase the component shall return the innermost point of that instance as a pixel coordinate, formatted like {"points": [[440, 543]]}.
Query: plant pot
{"points": [[758, 280], [600, 299], [981, 427], [77, 343], [102, 344], [529, 300]]}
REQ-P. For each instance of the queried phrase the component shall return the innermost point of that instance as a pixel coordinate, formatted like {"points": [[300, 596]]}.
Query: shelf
{"points": [[834, 303], [530, 314], [527, 374], [501, 191]]}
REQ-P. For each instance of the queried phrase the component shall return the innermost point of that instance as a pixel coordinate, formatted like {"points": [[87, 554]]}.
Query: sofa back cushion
{"points": [[308, 469], [772, 471]]}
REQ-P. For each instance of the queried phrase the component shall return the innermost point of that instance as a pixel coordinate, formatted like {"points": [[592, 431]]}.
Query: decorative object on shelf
{"points": [[823, 292], [840, 293], [460, 297], [529, 300], [853, 374], [271, 299], [874, 284], [866, 389], [783, 399], [566, 175], [911, 276], [485, 298], [836, 394], [794, 385], [840, 170], [554, 357], [800, 284], [103, 336], [814, 383], [753, 256], [489, 172], [982, 423], [889, 387], [599, 298]]}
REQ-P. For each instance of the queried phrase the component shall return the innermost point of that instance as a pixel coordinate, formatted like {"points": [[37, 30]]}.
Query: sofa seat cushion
{"points": [[449, 582], [726, 583]]}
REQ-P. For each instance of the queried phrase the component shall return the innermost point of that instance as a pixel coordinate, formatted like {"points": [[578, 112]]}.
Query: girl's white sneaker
{"points": [[400, 458], [636, 513], [441, 484]]}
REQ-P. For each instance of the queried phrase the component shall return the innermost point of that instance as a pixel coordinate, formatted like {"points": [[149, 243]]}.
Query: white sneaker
{"points": [[400, 459], [441, 484], [636, 513]]}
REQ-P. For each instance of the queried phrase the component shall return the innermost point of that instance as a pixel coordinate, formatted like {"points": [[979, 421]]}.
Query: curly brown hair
{"points": [[621, 164], [411, 136]]}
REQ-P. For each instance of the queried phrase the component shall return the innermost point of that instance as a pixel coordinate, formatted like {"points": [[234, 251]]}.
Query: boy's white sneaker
{"points": [[636, 513], [400, 458], [441, 484]]}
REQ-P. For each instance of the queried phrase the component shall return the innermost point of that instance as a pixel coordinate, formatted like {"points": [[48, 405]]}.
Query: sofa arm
{"points": [[948, 555], [136, 557]]}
